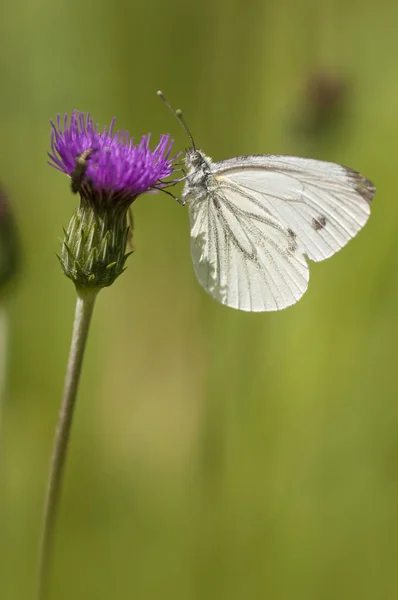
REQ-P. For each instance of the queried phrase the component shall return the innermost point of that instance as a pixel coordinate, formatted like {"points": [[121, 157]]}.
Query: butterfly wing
{"points": [[260, 219], [325, 204], [242, 259]]}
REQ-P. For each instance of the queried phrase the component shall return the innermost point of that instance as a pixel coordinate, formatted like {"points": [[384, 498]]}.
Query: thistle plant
{"points": [[108, 172]]}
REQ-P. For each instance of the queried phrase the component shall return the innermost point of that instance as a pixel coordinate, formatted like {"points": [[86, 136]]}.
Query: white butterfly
{"points": [[256, 219]]}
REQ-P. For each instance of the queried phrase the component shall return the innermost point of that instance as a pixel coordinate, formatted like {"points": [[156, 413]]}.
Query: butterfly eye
{"points": [[195, 158]]}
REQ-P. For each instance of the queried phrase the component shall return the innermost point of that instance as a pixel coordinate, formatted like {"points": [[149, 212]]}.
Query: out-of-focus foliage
{"points": [[215, 454], [9, 244]]}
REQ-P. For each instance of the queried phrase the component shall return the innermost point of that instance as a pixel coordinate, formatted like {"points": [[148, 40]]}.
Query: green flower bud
{"points": [[94, 247]]}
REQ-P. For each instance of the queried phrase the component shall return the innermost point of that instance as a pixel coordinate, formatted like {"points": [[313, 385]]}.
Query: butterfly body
{"points": [[199, 176]]}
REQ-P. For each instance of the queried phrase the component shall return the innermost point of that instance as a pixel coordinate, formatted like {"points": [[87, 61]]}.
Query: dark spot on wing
{"points": [[319, 223], [292, 240], [364, 187], [216, 202]]}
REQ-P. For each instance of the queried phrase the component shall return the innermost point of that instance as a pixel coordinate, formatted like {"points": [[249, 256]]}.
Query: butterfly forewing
{"points": [[324, 204], [260, 219]]}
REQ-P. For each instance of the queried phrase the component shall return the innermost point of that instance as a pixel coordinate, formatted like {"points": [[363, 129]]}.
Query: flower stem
{"points": [[84, 310]]}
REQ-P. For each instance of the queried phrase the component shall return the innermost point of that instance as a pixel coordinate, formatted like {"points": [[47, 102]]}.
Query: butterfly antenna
{"points": [[178, 115]]}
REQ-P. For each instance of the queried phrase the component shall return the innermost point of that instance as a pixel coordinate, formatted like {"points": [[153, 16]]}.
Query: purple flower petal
{"points": [[117, 166]]}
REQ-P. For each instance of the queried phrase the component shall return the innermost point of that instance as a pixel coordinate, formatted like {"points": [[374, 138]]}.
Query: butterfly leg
{"points": [[179, 200]]}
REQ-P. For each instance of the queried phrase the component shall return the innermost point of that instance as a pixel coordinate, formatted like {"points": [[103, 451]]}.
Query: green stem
{"points": [[83, 314]]}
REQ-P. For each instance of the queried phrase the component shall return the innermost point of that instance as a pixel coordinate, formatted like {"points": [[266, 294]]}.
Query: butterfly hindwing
{"points": [[242, 256]]}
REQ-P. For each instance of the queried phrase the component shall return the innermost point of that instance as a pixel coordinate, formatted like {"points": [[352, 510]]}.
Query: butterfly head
{"points": [[196, 160]]}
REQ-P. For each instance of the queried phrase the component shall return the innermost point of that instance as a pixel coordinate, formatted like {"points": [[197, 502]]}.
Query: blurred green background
{"points": [[214, 454]]}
